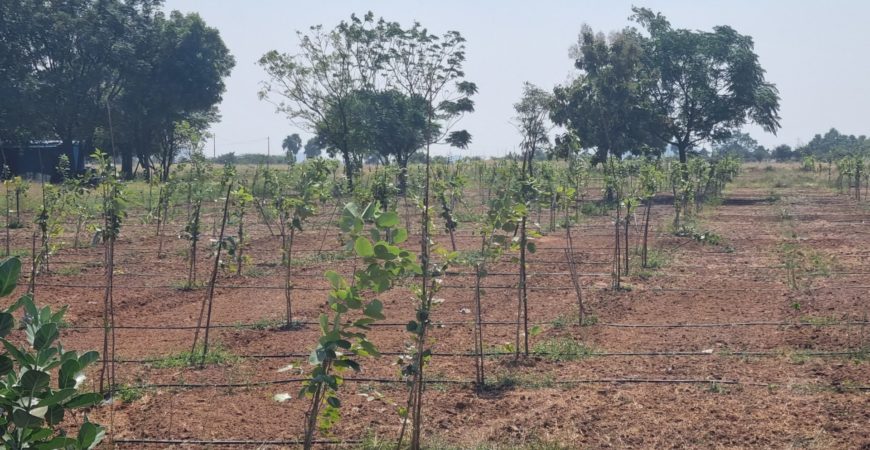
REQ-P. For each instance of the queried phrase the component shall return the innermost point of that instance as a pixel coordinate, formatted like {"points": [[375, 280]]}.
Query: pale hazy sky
{"points": [[815, 51]]}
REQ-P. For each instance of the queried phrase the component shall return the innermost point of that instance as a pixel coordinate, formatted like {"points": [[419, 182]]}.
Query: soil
{"points": [[749, 367]]}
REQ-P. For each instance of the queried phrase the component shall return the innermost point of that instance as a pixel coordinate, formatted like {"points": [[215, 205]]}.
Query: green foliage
{"points": [[562, 349], [218, 355], [341, 341], [33, 411]]}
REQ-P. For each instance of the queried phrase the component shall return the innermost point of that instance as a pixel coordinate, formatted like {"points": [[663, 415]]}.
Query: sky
{"points": [[814, 51]]}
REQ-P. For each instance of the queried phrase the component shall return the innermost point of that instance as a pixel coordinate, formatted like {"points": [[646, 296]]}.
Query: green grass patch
{"points": [[128, 394], [218, 355], [562, 349]]}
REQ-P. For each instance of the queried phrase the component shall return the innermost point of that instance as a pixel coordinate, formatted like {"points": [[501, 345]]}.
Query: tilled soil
{"points": [[716, 349]]}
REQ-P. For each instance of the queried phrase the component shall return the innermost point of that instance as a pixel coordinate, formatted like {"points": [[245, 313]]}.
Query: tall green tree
{"points": [[608, 105], [189, 62], [707, 83], [291, 145], [315, 86], [313, 148], [65, 61], [533, 122]]}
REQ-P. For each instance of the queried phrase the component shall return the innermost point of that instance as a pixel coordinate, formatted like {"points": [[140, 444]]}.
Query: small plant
{"points": [[218, 355], [32, 411], [562, 349], [342, 341]]}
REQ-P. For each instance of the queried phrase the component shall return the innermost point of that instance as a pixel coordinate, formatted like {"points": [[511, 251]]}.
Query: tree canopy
{"points": [[67, 66], [707, 84], [372, 87]]}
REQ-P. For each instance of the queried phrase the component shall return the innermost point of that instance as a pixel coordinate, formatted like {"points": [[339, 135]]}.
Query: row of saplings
{"points": [[371, 228]]}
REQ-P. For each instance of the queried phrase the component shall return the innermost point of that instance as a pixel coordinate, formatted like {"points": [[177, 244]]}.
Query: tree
{"points": [[533, 121], [707, 84], [313, 148], [189, 62], [291, 145], [393, 127], [314, 87], [66, 61], [607, 106], [740, 145], [782, 153], [760, 153]]}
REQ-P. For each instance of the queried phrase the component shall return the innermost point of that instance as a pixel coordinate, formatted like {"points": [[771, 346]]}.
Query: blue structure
{"points": [[42, 157]]}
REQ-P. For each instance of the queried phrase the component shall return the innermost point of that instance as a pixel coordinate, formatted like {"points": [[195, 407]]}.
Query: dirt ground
{"points": [[715, 349]]}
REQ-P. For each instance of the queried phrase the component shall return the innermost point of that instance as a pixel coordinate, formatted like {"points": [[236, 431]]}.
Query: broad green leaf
{"points": [[334, 279], [34, 380], [23, 419], [388, 219], [400, 235], [60, 442], [57, 397], [363, 247], [45, 336], [375, 310], [7, 323], [55, 414], [90, 435], [88, 358], [10, 268], [324, 323], [83, 400]]}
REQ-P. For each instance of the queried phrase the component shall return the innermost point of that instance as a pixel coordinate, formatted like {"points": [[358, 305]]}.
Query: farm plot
{"points": [[761, 340]]}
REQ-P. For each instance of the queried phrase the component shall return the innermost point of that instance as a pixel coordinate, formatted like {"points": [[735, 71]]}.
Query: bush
{"points": [[32, 411]]}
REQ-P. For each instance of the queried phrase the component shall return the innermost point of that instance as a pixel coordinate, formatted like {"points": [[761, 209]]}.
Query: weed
{"points": [[262, 324], [217, 355], [257, 272], [320, 257], [188, 286], [717, 388], [510, 380], [128, 393], [564, 320], [562, 349], [818, 320], [68, 271]]}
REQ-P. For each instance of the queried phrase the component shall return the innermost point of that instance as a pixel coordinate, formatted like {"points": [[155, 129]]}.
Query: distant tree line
{"points": [[106, 72]]}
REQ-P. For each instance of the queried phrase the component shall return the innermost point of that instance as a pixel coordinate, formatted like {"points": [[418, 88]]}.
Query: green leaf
{"points": [[363, 247], [7, 323], [90, 435], [324, 323], [400, 235], [22, 358], [66, 376], [411, 326], [57, 397], [388, 219], [10, 268], [34, 380], [45, 336], [334, 279], [531, 247], [334, 402], [88, 358], [56, 443], [375, 310], [83, 400], [23, 419], [6, 365], [54, 415]]}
